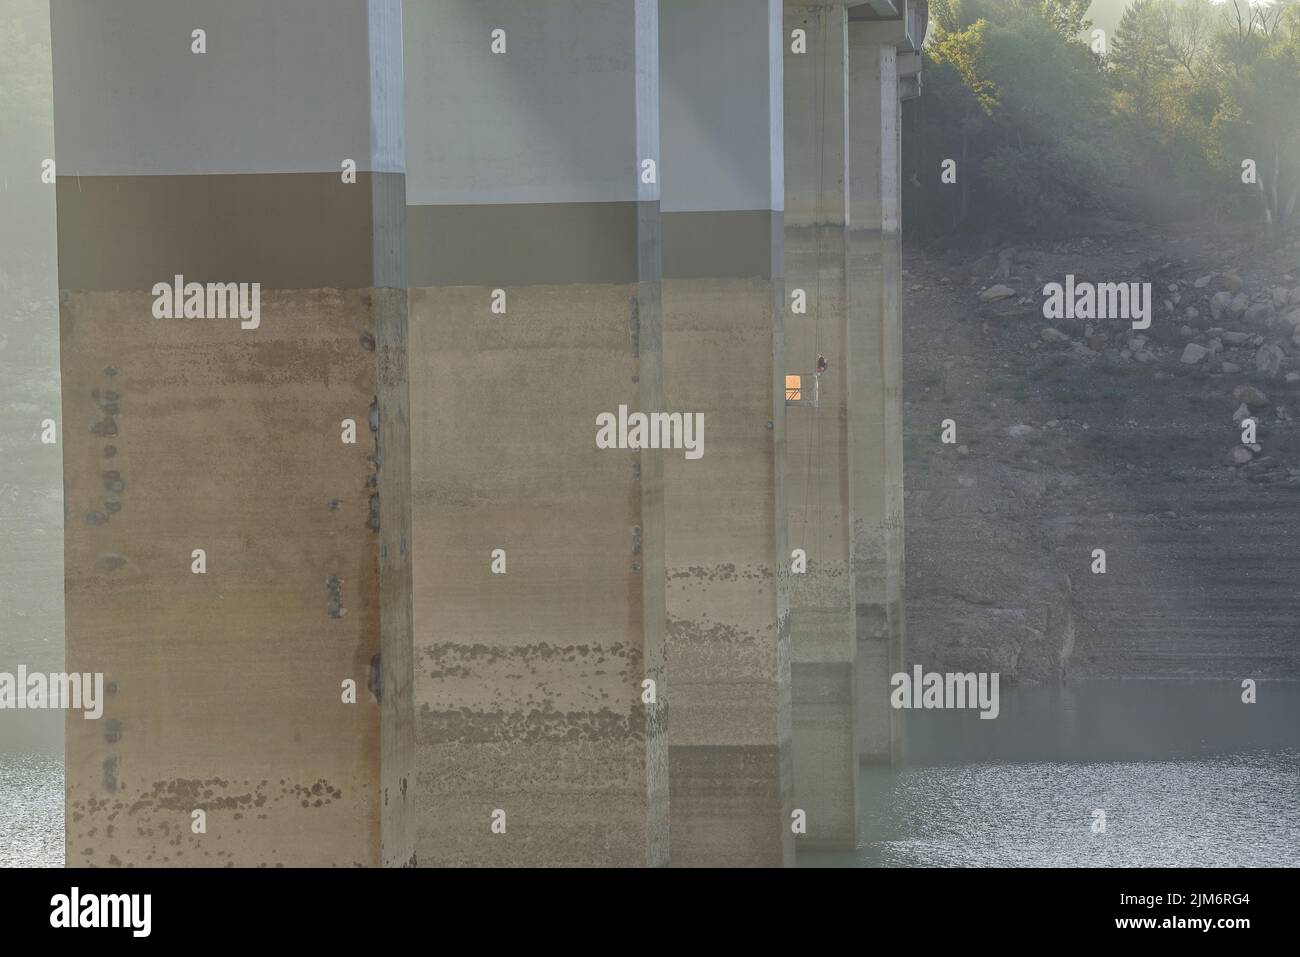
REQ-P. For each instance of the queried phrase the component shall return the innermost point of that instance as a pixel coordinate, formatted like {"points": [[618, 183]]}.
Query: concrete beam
{"points": [[218, 156], [876, 9], [913, 14], [729, 656], [534, 260], [916, 21], [909, 76], [818, 488], [875, 279]]}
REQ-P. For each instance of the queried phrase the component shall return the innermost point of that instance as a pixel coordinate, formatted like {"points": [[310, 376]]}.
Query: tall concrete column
{"points": [[729, 653], [876, 364], [818, 489], [534, 261], [231, 559]]}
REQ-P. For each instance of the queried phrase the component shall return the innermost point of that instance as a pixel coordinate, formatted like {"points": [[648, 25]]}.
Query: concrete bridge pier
{"points": [[818, 489], [727, 563], [232, 558], [263, 509], [541, 698], [882, 70]]}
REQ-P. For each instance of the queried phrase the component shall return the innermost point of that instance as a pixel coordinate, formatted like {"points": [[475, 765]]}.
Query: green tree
{"points": [[1067, 17], [1190, 89], [1258, 117], [1141, 59], [1014, 97]]}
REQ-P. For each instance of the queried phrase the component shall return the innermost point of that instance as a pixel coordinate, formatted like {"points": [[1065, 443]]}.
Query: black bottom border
{"points": [[466, 908]]}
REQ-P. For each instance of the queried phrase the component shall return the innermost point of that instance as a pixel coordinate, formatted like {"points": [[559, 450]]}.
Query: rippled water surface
{"points": [[1187, 773], [1238, 810], [31, 810]]}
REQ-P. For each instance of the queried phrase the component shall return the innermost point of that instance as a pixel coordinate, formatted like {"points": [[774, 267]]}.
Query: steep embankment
{"points": [[1073, 436]]}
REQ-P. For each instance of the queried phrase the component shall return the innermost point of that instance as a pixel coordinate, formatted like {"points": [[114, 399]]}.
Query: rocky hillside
{"points": [[1078, 435]]}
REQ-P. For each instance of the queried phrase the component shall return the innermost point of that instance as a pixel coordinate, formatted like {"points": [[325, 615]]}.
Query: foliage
{"points": [[1014, 100], [1038, 120]]}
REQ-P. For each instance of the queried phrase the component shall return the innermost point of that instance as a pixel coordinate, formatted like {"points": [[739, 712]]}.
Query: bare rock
{"points": [[1219, 304], [1250, 396], [1268, 360], [1261, 313], [996, 292]]}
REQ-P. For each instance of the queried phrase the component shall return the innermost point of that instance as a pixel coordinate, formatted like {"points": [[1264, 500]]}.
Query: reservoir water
{"points": [[1187, 774], [31, 810]]}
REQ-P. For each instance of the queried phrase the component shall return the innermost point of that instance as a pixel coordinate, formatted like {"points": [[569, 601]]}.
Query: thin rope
{"points": [[817, 320]]}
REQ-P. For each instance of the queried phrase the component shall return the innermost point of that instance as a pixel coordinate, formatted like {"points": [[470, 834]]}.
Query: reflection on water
{"points": [[1187, 774], [31, 810]]}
